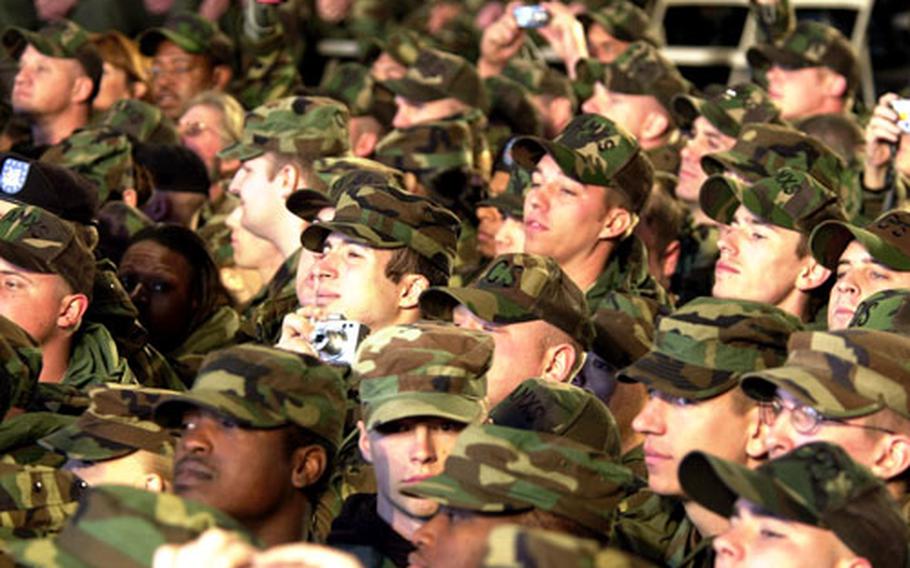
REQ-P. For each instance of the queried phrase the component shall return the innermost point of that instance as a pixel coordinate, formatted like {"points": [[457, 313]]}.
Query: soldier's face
{"points": [[629, 111], [250, 251], [756, 539], [349, 278], [674, 426], [604, 47], [798, 92], [562, 217], [402, 453], [200, 130], [758, 261], [177, 77], [455, 537], [510, 237], [45, 86], [490, 220], [858, 277], [519, 351], [114, 86], [32, 300], [705, 138], [261, 197]]}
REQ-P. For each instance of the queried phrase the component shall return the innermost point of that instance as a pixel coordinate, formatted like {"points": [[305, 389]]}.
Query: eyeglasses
{"points": [[192, 129], [805, 419], [179, 67]]}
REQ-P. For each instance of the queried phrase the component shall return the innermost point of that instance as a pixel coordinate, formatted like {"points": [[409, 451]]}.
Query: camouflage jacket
{"points": [[216, 332], [657, 528], [95, 359], [698, 253], [263, 315], [627, 271]]}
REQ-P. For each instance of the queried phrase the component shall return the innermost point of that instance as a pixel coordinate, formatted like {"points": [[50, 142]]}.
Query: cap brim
{"points": [[721, 162], [415, 404], [829, 240], [169, 412], [447, 491], [150, 40], [314, 236], [484, 304], [307, 203], [686, 109], [677, 378], [527, 151], [71, 441], [763, 56], [21, 257], [414, 91], [15, 39], [720, 197], [239, 151]]}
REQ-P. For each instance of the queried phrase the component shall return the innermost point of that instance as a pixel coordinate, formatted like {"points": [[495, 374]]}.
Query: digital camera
{"points": [[902, 108], [336, 339], [531, 17]]}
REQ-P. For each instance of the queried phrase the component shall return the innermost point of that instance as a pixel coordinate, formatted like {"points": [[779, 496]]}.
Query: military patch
{"points": [[13, 176]]}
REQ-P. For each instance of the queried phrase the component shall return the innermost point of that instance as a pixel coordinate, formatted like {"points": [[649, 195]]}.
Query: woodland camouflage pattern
{"points": [[340, 176], [101, 154], [701, 349], [791, 199], [642, 70], [192, 33], [816, 484], [842, 374], [64, 39], [427, 148], [494, 469], [309, 127], [20, 365], [623, 20], [593, 150], [561, 409], [386, 217], [36, 500], [141, 120], [624, 327], [539, 78], [888, 310], [727, 109], [118, 422], [439, 75], [352, 84], [516, 288], [423, 369], [887, 240], [264, 387]]}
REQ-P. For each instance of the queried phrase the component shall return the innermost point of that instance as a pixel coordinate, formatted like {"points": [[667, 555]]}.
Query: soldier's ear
{"points": [[72, 308], [221, 76], [411, 287], [130, 197], [618, 224], [559, 361], [308, 463], [892, 456], [82, 89], [835, 84], [671, 258], [812, 275], [364, 442], [155, 483]]}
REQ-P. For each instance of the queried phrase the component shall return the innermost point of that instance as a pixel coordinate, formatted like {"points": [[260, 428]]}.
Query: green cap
{"points": [[642, 70], [816, 484], [702, 348], [37, 240], [264, 387], [190, 32], [122, 526], [516, 288], [402, 44], [811, 44], [428, 147], [63, 39], [118, 422], [36, 500], [386, 217], [438, 75], [423, 369], [842, 374], [142, 121], [308, 127], [623, 20], [562, 409], [102, 154], [624, 328], [727, 109], [791, 199], [886, 239], [888, 310], [495, 469], [593, 150], [354, 85]]}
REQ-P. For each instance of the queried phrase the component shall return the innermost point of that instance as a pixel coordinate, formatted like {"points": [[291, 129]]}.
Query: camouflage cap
{"points": [[264, 387], [702, 348], [539, 78], [623, 20], [887, 310], [402, 44], [791, 199], [886, 239], [340, 176], [36, 500], [562, 409], [354, 85], [122, 526], [624, 328], [810, 44], [437, 74], [102, 154], [516, 546], [762, 149], [495, 469], [308, 127], [510, 202], [117, 423], [428, 147], [593, 150], [727, 109], [841, 374], [387, 217], [516, 288], [37, 240], [190, 32], [142, 121], [642, 70], [63, 39], [423, 369], [816, 484], [52, 187]]}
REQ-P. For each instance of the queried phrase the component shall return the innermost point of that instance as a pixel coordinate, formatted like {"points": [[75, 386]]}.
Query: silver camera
{"points": [[531, 17], [336, 339]]}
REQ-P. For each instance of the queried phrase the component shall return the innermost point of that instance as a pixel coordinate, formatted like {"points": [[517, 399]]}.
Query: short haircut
{"points": [[408, 261], [232, 113]]}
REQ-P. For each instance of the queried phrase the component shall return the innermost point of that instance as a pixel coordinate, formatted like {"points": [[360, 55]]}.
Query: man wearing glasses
{"points": [[847, 387]]}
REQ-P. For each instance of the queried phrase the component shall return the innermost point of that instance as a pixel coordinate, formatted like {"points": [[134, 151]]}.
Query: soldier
{"points": [[692, 372], [259, 430], [281, 139], [846, 400], [866, 260], [587, 188], [811, 507], [142, 121], [537, 316], [59, 76], [410, 422]]}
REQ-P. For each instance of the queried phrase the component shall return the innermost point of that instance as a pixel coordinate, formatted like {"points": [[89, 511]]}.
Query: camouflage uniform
{"points": [[540, 79], [816, 485], [699, 352], [141, 120], [101, 154], [595, 151], [512, 112], [623, 20], [352, 84], [21, 364], [841, 374], [399, 370], [884, 311]]}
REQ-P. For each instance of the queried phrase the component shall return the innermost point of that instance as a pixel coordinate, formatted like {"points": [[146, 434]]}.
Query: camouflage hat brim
{"points": [[730, 161], [527, 151], [448, 491], [15, 39], [677, 378], [314, 236], [507, 203], [414, 91], [418, 404], [307, 203], [240, 151], [76, 444], [485, 304], [150, 40], [720, 197], [23, 258], [763, 56], [687, 108], [169, 412], [829, 240]]}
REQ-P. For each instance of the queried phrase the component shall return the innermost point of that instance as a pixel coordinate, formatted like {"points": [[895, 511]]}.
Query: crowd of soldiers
{"points": [[445, 302]]}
